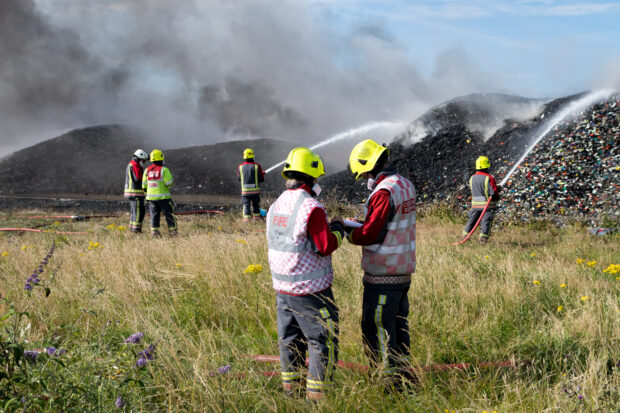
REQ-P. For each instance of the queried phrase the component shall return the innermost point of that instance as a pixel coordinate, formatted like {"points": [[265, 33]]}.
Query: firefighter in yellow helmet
{"points": [[483, 188], [301, 241], [250, 174], [387, 237], [156, 181]]}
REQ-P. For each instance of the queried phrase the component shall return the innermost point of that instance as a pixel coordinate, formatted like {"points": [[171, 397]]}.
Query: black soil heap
{"points": [[574, 170]]}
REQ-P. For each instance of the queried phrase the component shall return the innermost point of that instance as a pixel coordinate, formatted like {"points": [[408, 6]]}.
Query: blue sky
{"points": [[541, 47]]}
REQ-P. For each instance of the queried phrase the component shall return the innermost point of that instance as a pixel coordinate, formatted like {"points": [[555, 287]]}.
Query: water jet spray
{"points": [[579, 104], [350, 133]]}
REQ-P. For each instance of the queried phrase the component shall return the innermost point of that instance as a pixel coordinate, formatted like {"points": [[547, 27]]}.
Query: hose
{"points": [[475, 226], [198, 212], [361, 368], [40, 230]]}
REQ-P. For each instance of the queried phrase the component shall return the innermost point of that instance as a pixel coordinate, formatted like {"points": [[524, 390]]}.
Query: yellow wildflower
{"points": [[533, 254], [219, 228], [536, 282], [563, 285], [580, 260], [486, 256], [178, 265], [80, 255], [612, 269], [242, 242], [560, 308], [24, 247], [584, 298], [5, 253], [253, 269], [591, 263]]}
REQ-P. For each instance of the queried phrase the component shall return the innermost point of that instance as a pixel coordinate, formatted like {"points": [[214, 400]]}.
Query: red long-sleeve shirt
{"points": [[318, 230], [379, 210]]}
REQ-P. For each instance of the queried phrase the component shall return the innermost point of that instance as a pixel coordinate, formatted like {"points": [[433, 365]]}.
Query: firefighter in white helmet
{"points": [[250, 174], [301, 241], [483, 189], [156, 181], [387, 237], [133, 189]]}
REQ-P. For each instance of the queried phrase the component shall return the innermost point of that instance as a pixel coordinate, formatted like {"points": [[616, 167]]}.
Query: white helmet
{"points": [[141, 154]]}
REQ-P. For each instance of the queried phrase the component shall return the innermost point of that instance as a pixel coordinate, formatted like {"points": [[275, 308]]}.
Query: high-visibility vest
{"points": [[396, 254], [249, 174], [481, 190], [133, 181], [157, 181], [295, 268]]}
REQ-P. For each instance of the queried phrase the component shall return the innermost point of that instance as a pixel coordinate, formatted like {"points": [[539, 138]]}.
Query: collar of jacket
{"points": [[387, 171]]}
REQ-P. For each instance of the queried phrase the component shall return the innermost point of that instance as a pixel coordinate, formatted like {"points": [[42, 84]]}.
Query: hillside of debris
{"points": [[573, 171], [93, 160]]}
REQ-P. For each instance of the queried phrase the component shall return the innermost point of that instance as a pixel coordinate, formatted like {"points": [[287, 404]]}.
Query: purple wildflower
{"points": [[31, 355], [141, 362], [27, 287], [224, 369], [149, 353], [53, 351], [119, 402], [134, 338], [35, 281], [580, 397]]}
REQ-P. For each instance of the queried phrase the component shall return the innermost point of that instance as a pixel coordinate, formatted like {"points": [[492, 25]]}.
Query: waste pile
{"points": [[572, 172]]}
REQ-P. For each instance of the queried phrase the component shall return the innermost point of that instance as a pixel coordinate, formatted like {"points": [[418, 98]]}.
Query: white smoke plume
{"points": [[201, 71]]}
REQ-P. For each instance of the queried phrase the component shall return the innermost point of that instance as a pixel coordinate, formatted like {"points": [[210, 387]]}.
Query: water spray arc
{"points": [[350, 134], [572, 108]]}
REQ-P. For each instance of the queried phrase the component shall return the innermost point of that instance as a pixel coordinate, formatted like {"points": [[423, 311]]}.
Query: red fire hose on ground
{"points": [[198, 212], [464, 240], [40, 230], [361, 368]]}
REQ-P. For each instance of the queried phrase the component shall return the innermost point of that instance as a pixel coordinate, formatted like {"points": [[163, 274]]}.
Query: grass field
{"points": [[544, 297]]}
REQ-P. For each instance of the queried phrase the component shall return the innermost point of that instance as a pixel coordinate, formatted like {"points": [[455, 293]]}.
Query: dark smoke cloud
{"points": [[197, 72]]}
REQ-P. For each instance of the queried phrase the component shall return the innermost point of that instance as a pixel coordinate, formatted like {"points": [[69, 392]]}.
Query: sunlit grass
{"points": [[546, 297]]}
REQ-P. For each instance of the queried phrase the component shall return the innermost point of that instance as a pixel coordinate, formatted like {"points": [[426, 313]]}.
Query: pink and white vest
{"points": [[396, 254], [295, 268]]}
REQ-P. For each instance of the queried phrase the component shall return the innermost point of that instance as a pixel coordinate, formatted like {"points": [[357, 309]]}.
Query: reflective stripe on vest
{"points": [[156, 188], [396, 254], [479, 185], [295, 268], [250, 185], [133, 187]]}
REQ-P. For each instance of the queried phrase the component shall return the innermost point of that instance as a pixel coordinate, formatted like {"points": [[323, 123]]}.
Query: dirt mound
{"points": [[93, 161], [573, 171], [83, 161]]}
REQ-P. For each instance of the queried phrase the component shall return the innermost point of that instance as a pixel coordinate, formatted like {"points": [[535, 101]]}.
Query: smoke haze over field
{"points": [[202, 71]]}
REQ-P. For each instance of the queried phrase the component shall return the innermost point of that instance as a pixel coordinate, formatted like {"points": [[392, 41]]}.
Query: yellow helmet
{"points": [[305, 161], [364, 157], [157, 155], [248, 153], [482, 163]]}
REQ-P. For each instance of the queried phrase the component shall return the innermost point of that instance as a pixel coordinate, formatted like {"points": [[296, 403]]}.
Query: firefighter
{"points": [[133, 189], [156, 181], [482, 187], [301, 241], [387, 237], [251, 175]]}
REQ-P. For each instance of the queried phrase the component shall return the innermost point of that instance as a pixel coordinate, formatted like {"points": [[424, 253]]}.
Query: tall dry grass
{"points": [[190, 295]]}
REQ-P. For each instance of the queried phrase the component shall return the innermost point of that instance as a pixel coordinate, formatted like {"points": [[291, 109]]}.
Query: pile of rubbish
{"points": [[573, 171]]}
